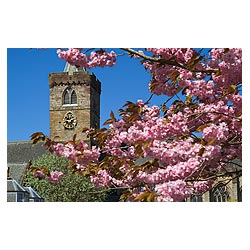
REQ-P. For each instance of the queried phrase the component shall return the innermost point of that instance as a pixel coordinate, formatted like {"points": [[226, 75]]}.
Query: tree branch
{"points": [[155, 59], [238, 174], [214, 112], [168, 62], [231, 162]]}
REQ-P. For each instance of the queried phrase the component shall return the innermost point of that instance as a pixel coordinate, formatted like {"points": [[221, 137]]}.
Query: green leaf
{"points": [[188, 99], [239, 113], [36, 137], [112, 115], [109, 121], [128, 103], [45, 170], [142, 196], [178, 103], [201, 127], [125, 195], [217, 119], [211, 141], [151, 197], [201, 151], [153, 85], [146, 144], [104, 165], [138, 149], [234, 87], [84, 130], [203, 142]]}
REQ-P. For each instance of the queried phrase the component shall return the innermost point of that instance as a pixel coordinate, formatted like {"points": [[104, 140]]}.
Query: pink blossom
{"points": [[173, 191], [102, 179], [80, 167], [70, 152], [54, 176], [58, 149], [219, 132], [78, 58], [39, 174], [78, 151], [202, 186]]}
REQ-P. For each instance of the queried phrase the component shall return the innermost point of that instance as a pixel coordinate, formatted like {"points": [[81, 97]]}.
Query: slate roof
{"points": [[16, 171], [18, 156], [23, 151]]}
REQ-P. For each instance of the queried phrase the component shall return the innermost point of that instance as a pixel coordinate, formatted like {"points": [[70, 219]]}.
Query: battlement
{"points": [[76, 78]]}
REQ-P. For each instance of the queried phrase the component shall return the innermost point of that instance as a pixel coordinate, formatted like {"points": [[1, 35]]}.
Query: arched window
{"points": [[66, 97], [69, 97], [73, 97], [220, 193]]}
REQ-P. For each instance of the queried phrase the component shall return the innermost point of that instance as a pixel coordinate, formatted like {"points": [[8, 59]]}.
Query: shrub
{"points": [[71, 188]]}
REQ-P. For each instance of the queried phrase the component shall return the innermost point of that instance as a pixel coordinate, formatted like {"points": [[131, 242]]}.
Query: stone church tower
{"points": [[74, 103]]}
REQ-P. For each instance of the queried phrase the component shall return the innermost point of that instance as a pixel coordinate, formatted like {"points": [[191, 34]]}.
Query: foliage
{"points": [[188, 141], [71, 187]]}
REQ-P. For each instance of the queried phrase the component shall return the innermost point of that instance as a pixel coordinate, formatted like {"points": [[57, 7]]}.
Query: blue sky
{"points": [[28, 90]]}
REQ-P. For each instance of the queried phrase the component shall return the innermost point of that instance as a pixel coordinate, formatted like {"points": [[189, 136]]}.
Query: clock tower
{"points": [[74, 103]]}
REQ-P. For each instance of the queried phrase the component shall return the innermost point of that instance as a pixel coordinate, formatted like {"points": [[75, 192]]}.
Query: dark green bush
{"points": [[72, 187]]}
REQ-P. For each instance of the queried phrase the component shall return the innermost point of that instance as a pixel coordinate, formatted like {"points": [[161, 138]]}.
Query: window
{"points": [[196, 198], [69, 97], [220, 193], [21, 197], [66, 97], [73, 97]]}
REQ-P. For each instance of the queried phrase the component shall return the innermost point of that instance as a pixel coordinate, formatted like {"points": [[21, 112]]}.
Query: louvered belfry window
{"points": [[69, 97]]}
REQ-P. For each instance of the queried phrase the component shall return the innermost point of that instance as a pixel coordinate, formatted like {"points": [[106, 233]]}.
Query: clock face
{"points": [[69, 120]]}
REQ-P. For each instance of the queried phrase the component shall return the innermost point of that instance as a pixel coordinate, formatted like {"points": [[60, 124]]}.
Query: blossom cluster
{"points": [[53, 176], [100, 58], [150, 126], [173, 191], [225, 67], [229, 63], [39, 174], [102, 179], [78, 152], [220, 132]]}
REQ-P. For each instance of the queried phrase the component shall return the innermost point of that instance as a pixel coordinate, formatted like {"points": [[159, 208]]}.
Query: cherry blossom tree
{"points": [[185, 144]]}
